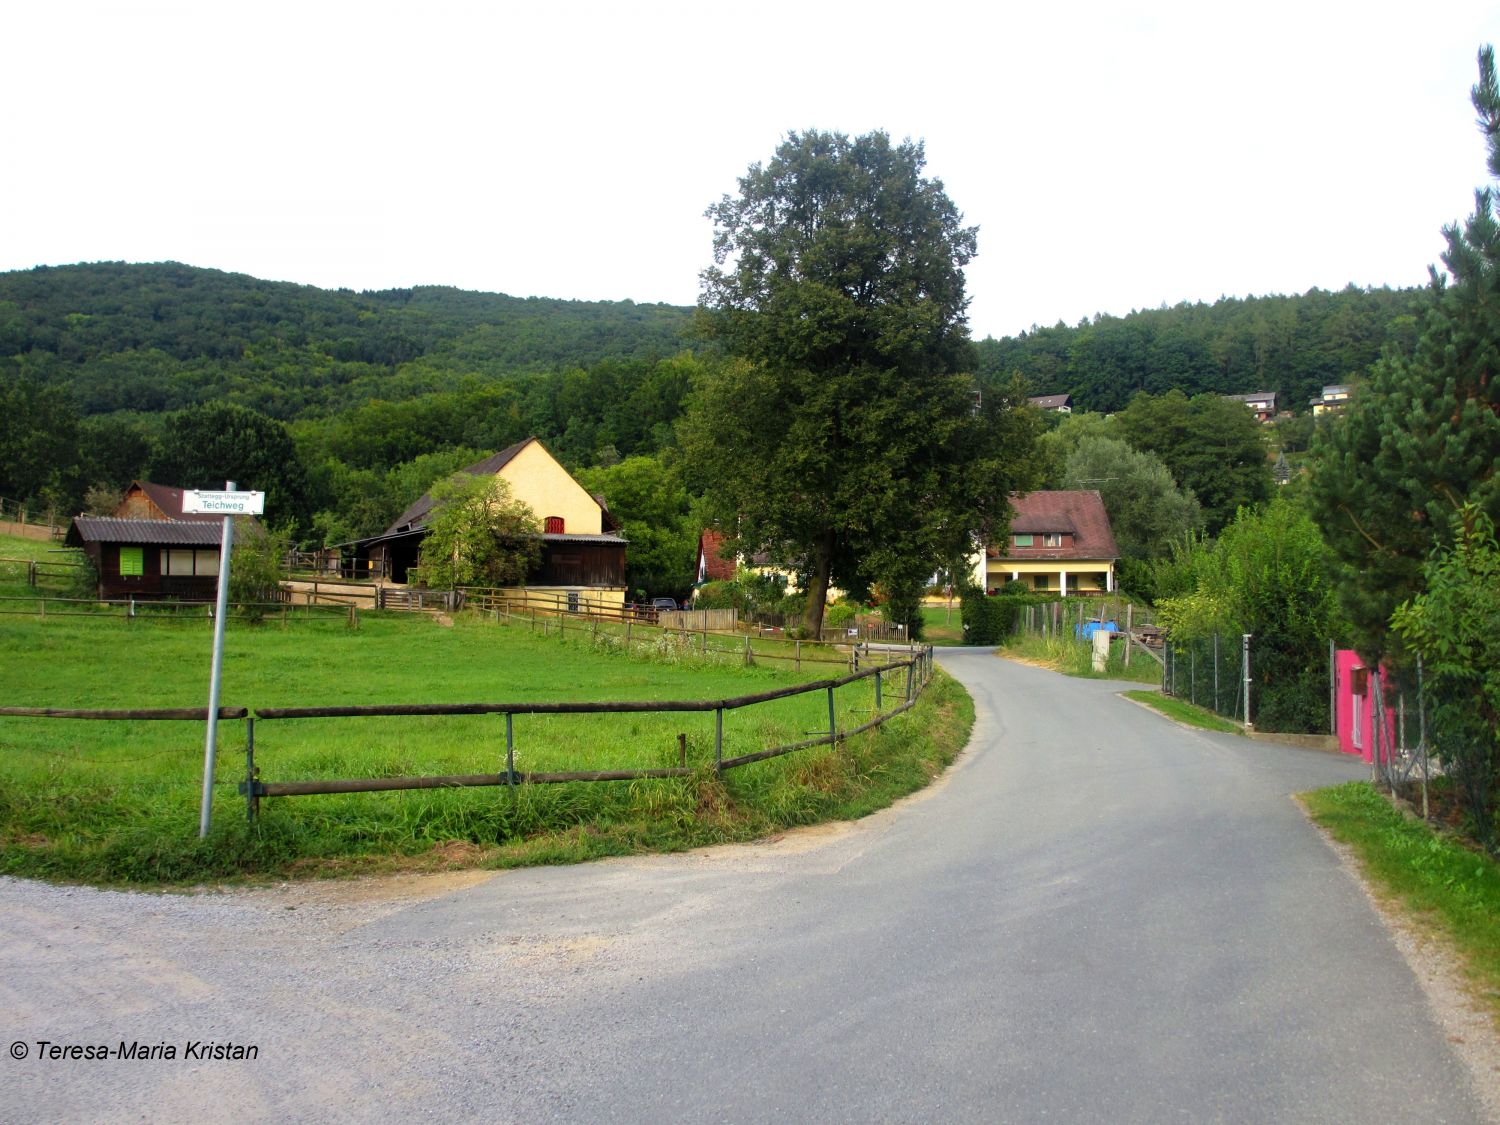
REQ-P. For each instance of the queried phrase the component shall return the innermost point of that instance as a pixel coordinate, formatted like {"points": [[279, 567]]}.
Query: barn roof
{"points": [[413, 517]]}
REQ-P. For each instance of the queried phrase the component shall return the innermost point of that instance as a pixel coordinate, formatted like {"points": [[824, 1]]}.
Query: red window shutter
{"points": [[553, 525]]}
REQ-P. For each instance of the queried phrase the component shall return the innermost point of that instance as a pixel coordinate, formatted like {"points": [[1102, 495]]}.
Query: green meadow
{"points": [[117, 801]]}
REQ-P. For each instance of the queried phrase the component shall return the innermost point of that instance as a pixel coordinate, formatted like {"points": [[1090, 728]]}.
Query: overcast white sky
{"points": [[1114, 156]]}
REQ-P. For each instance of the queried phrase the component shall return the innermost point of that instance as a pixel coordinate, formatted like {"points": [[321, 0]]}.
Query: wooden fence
{"points": [[28, 523], [44, 606], [699, 620], [918, 673], [39, 572]]}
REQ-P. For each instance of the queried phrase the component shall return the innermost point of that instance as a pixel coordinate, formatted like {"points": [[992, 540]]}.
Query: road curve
{"points": [[1095, 916]]}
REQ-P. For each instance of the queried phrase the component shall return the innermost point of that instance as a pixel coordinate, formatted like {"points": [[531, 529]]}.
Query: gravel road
{"points": [[1095, 916]]}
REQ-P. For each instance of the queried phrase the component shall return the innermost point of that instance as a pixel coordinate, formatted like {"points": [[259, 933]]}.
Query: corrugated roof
{"points": [[1049, 402], [565, 537], [165, 533], [1078, 511]]}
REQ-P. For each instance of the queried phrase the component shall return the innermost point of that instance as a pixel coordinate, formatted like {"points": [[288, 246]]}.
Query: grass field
{"points": [[941, 625], [116, 801]]}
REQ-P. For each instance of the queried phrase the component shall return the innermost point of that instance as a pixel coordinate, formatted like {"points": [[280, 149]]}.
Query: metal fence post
{"points": [[718, 740], [833, 730], [510, 752], [1246, 641], [1216, 674], [878, 677]]}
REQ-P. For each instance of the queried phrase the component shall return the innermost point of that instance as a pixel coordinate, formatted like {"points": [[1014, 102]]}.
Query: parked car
{"points": [[660, 604]]}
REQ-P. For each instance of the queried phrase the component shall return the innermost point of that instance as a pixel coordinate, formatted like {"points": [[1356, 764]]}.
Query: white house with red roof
{"points": [[1059, 542]]}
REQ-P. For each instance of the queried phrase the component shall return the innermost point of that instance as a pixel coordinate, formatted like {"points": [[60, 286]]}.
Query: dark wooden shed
{"points": [[151, 558]]}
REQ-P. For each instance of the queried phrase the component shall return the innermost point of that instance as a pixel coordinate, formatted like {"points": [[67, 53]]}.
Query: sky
{"points": [[1114, 156]]}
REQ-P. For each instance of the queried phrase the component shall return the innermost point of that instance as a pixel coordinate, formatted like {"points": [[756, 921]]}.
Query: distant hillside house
{"points": [[1332, 400], [1062, 404], [583, 556], [1059, 542], [1262, 404]]}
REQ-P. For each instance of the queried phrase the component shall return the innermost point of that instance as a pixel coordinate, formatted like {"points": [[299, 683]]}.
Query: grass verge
{"points": [[1446, 887], [115, 802], [1182, 711], [1075, 658]]}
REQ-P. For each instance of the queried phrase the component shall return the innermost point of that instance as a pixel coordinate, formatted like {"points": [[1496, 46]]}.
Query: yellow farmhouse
{"points": [[583, 554], [1059, 542]]}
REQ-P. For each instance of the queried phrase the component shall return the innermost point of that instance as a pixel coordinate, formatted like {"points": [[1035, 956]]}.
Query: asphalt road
{"points": [[1096, 916]]}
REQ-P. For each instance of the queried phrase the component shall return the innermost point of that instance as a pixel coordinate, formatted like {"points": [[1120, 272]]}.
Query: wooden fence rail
{"points": [[918, 668]]}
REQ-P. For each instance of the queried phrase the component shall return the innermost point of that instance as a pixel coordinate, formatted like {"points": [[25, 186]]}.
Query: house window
{"points": [[1021, 540], [1039, 582], [553, 525], [572, 597], [132, 562], [1052, 539], [180, 561]]}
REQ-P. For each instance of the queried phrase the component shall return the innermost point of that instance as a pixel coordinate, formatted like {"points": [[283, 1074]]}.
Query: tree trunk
{"points": [[817, 590]]}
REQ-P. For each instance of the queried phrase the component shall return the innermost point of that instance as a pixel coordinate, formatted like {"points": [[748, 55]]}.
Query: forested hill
{"points": [[156, 338], [1291, 345], [164, 336]]}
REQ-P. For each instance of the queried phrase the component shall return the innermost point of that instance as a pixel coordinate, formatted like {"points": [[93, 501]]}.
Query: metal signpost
{"points": [[229, 503]]}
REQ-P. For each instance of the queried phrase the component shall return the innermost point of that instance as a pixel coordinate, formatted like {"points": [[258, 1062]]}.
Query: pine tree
{"points": [[1422, 436]]}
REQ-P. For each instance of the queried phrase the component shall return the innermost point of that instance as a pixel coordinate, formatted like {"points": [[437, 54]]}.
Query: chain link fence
{"points": [[1263, 681]]}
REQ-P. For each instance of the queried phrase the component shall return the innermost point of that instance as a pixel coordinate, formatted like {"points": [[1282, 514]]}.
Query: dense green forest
{"points": [[1291, 345], [347, 406]]}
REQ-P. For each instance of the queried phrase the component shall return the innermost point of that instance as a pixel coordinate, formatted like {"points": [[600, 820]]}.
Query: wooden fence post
{"points": [[833, 730], [718, 740]]}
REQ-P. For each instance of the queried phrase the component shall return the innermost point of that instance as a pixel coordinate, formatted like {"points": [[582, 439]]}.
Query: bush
{"points": [[838, 616], [985, 618]]}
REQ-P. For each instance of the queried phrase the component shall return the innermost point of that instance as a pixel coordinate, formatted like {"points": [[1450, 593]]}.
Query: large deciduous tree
{"points": [[844, 434], [204, 446], [1422, 435], [1214, 447]]}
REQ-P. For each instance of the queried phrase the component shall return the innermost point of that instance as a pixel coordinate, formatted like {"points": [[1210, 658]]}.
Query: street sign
{"points": [[223, 503]]}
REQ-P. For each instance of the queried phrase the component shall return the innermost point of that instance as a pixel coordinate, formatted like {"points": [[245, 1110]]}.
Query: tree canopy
{"points": [[1213, 446], [845, 435]]}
